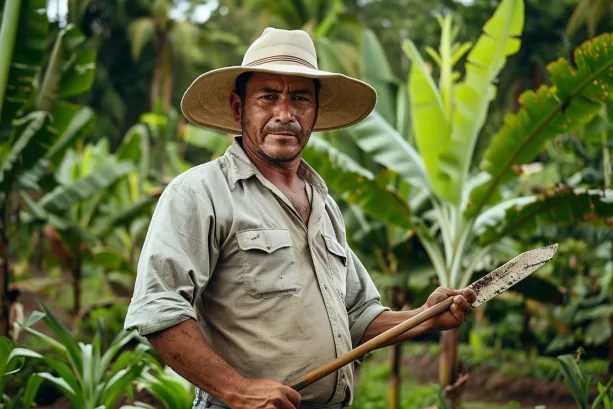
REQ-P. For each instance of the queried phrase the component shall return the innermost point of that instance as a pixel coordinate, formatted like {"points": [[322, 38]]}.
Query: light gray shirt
{"points": [[273, 297]]}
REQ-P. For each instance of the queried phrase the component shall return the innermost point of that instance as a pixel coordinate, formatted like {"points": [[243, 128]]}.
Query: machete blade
{"points": [[512, 272]]}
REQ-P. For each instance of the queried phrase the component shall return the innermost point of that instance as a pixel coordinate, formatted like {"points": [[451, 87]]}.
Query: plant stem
{"points": [[446, 236], [394, 393], [606, 162], [8, 33], [458, 254], [5, 272]]}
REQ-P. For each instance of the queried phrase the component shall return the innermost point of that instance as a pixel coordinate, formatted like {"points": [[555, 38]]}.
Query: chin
{"points": [[281, 155]]}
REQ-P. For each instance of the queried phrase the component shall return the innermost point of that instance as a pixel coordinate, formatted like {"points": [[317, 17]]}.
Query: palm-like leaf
{"points": [[447, 119], [377, 137], [377, 72], [28, 54], [29, 141], [63, 197], [141, 32], [360, 187], [573, 100], [563, 207], [70, 71]]}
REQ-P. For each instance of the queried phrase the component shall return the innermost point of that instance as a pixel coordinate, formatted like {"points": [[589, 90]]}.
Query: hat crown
{"points": [[287, 46]]}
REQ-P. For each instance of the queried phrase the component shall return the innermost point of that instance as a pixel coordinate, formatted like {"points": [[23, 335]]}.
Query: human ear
{"points": [[237, 106]]}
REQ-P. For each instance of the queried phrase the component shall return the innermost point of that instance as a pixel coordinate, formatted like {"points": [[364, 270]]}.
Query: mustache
{"points": [[292, 127]]}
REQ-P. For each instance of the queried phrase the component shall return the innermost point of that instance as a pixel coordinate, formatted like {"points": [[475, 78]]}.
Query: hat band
{"points": [[286, 58]]}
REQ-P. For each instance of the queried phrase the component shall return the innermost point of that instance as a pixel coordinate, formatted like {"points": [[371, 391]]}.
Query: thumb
{"points": [[439, 295]]}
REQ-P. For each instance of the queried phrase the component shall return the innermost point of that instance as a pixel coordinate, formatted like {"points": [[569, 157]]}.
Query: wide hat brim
{"points": [[343, 101]]}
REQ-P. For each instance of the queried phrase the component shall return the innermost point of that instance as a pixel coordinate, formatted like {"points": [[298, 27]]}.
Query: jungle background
{"points": [[492, 136]]}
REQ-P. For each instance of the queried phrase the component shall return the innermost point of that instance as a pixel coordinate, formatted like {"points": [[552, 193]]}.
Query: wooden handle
{"points": [[372, 344]]}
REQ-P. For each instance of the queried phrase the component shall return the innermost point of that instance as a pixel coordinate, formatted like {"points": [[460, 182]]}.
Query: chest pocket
{"points": [[337, 264], [268, 263]]}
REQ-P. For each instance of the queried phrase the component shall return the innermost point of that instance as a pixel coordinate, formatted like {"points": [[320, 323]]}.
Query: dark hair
{"points": [[240, 86]]}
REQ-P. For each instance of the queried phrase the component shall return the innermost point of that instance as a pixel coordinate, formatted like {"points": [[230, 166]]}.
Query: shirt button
{"points": [[343, 375]]}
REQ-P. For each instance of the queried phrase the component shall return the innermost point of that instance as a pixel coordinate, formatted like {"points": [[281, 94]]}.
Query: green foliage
{"points": [[572, 101], [168, 387], [361, 188], [12, 359], [89, 376], [458, 111], [560, 206], [28, 53], [579, 385]]}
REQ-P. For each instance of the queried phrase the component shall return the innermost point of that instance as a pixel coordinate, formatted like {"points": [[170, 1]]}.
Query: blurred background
{"points": [[491, 136]]}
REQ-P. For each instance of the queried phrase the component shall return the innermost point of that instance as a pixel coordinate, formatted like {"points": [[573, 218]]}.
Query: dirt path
{"points": [[490, 385]]}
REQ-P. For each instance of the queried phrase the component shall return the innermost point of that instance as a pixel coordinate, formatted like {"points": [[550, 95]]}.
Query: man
{"points": [[245, 281]]}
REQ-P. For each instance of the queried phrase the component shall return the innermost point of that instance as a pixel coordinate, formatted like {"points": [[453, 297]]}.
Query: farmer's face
{"points": [[277, 116]]}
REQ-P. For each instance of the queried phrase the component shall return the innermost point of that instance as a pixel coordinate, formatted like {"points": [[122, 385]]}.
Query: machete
{"points": [[486, 288]]}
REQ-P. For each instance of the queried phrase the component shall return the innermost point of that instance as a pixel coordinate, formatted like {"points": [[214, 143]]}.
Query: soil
{"points": [[489, 385]]}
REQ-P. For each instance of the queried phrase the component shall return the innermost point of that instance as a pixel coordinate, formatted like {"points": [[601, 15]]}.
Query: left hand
{"points": [[457, 313]]}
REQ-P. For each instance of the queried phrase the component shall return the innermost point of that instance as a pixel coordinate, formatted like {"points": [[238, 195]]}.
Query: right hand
{"points": [[265, 394]]}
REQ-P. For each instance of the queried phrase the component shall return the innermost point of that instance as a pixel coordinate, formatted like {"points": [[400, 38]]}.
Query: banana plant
{"points": [[98, 197], [174, 42], [90, 377], [470, 212], [36, 124], [12, 359]]}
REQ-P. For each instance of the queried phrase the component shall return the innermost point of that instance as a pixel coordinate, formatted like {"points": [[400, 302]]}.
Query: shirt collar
{"points": [[240, 167]]}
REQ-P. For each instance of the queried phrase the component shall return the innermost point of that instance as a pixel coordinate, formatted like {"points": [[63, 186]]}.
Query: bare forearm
{"points": [[185, 349], [389, 319]]}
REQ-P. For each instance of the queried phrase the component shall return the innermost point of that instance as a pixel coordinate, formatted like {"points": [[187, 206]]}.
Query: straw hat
{"points": [[343, 101]]}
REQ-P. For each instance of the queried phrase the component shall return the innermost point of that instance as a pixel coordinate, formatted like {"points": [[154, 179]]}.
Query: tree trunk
{"points": [[394, 393], [611, 349], [167, 78], [77, 276], [157, 72], [5, 272], [448, 358]]}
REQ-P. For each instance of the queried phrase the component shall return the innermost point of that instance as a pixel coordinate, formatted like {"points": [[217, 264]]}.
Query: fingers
{"points": [[294, 397], [457, 314], [470, 295]]}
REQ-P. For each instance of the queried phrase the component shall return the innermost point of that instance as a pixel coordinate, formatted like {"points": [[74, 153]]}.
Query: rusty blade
{"points": [[512, 272]]}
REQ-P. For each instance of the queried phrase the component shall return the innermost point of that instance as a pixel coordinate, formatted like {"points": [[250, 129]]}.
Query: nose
{"points": [[284, 111]]}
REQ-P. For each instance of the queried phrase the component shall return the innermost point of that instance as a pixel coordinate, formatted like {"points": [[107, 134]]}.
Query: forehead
{"points": [[279, 81]]}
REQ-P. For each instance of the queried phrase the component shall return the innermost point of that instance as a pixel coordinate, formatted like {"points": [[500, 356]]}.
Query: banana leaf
{"points": [[358, 186], [377, 137], [70, 70], [560, 207], [29, 142], [28, 56], [474, 94], [65, 196], [377, 72], [573, 100]]}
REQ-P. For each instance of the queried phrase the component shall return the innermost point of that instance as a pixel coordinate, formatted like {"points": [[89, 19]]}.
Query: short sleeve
{"points": [[363, 301], [178, 256]]}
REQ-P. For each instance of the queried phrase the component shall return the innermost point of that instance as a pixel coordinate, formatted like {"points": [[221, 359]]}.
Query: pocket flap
{"points": [[335, 247], [267, 240]]}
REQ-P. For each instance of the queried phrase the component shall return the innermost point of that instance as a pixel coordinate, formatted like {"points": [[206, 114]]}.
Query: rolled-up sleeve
{"points": [[177, 259], [363, 300]]}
